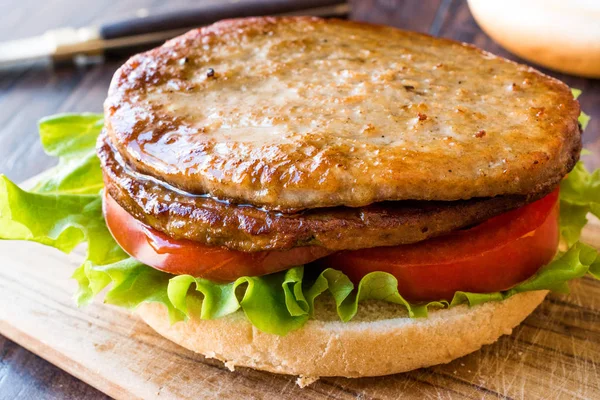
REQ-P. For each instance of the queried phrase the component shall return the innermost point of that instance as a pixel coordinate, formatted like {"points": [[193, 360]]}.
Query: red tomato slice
{"points": [[490, 257], [219, 264]]}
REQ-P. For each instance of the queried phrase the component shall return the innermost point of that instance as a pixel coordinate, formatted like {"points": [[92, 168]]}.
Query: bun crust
{"points": [[378, 341], [563, 36]]}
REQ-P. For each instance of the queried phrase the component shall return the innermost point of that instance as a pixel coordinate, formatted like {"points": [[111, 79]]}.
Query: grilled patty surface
{"points": [[300, 113]]}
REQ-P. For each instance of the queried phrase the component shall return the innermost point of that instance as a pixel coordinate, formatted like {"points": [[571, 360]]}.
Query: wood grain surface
{"points": [[563, 332]]}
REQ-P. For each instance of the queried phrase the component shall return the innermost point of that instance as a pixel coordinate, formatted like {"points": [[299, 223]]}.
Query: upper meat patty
{"points": [[297, 113]]}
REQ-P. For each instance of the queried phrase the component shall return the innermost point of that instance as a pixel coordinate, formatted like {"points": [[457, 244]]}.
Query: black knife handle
{"points": [[191, 18]]}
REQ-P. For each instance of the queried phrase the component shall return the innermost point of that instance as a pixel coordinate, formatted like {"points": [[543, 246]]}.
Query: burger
{"points": [[319, 197]]}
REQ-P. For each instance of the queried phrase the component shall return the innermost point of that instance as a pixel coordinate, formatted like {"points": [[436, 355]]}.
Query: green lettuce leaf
{"points": [[72, 138], [64, 210], [58, 220], [583, 119], [282, 302], [579, 195]]}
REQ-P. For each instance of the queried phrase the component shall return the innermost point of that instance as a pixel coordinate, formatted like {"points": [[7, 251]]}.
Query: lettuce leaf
{"points": [[583, 119], [579, 195], [58, 220], [72, 138], [64, 210], [282, 302]]}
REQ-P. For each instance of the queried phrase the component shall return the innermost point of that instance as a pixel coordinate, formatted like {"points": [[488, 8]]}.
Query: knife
{"points": [[123, 37]]}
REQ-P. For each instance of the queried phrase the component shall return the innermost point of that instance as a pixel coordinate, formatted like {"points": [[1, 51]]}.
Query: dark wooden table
{"points": [[27, 95]]}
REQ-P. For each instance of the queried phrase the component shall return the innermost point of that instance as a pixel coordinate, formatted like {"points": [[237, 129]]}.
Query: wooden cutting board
{"points": [[554, 354]]}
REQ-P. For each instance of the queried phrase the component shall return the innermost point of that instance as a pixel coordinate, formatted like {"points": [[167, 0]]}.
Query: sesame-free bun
{"points": [[380, 340], [557, 34]]}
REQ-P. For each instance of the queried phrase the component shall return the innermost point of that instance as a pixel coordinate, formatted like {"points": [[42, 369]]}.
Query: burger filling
{"points": [[278, 266], [492, 256]]}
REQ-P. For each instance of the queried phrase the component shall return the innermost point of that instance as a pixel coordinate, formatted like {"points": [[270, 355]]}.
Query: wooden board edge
{"points": [[55, 357]]}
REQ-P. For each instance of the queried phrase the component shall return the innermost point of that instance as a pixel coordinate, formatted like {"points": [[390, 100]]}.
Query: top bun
{"points": [[560, 35]]}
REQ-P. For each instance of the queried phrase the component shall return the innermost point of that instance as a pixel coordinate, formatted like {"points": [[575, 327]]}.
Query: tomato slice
{"points": [[489, 257], [158, 250]]}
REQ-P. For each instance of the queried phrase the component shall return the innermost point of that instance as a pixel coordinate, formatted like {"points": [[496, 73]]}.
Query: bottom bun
{"points": [[380, 340]]}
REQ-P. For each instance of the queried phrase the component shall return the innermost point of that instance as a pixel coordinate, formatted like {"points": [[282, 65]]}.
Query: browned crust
{"points": [[542, 135], [247, 228]]}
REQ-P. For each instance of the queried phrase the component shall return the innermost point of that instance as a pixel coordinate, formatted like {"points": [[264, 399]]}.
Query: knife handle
{"points": [[191, 18]]}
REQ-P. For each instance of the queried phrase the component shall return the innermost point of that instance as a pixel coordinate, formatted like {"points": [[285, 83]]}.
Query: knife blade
{"points": [[82, 44]]}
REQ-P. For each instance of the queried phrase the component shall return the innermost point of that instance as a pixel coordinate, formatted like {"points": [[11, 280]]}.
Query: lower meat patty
{"points": [[247, 228]]}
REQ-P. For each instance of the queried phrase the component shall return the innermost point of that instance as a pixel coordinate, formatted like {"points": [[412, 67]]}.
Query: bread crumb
{"points": [[304, 381], [230, 365]]}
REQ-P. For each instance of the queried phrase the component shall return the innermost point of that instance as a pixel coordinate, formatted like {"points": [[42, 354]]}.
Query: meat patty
{"points": [[247, 228], [300, 113]]}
